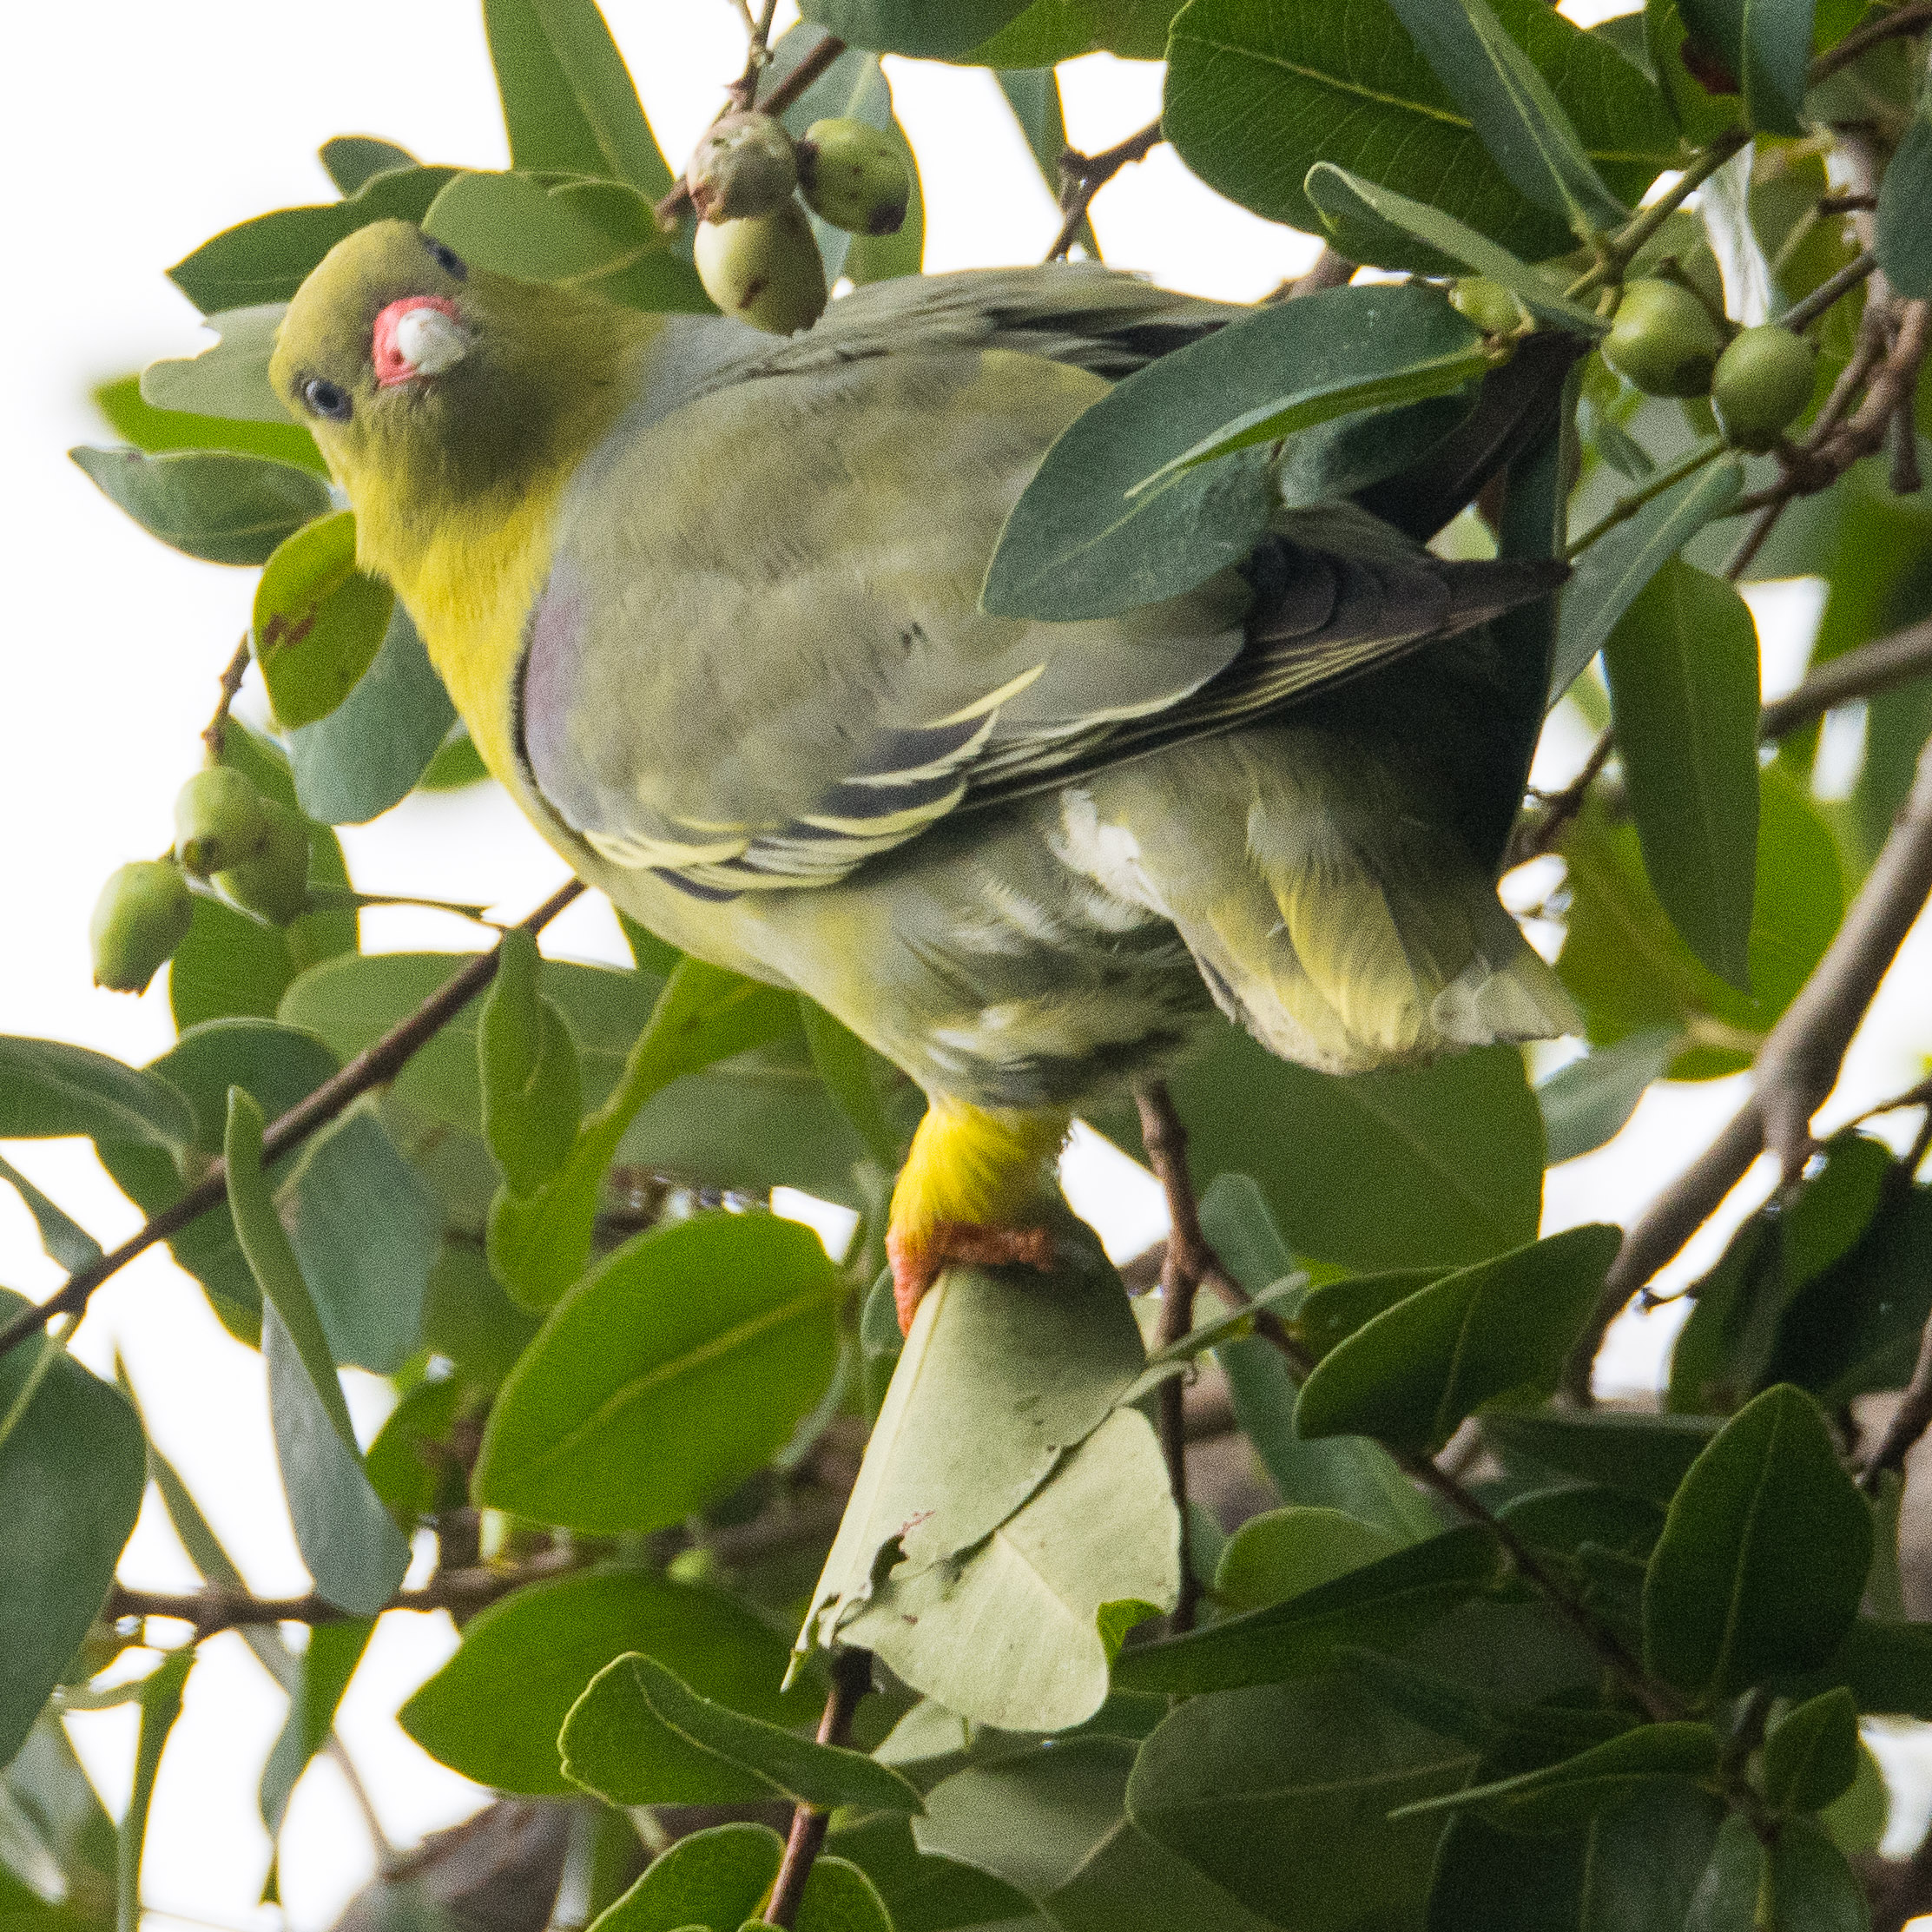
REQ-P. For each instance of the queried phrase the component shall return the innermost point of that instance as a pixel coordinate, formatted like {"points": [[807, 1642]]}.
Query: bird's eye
{"points": [[324, 397], [449, 262]]}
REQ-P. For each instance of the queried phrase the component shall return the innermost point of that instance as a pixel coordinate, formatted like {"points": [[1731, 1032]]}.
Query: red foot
{"points": [[973, 1243]]}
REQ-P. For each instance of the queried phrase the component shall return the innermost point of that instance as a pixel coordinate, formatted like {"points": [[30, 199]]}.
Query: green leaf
{"points": [[1329, 1313], [365, 1232], [1766, 44], [532, 1092], [1646, 1456], [1101, 1531], [1514, 109], [568, 101], [1589, 1101], [639, 1736], [666, 1377], [1257, 94], [73, 1466], [514, 225], [1114, 516], [1764, 1553], [229, 965], [161, 1705], [1811, 1753], [334, 1651], [1379, 1606], [1419, 1167], [231, 379], [1050, 31], [318, 621], [1730, 1896], [1810, 1883], [1377, 224], [1561, 1796], [1284, 1553], [494, 1711], [1003, 1371], [1612, 572], [48, 1088], [159, 431], [368, 753], [353, 1550], [268, 258], [1051, 1824], [540, 1242], [1498, 1332], [1682, 665], [63, 1239], [713, 1880], [215, 505], [352, 160], [911, 26], [1282, 1796], [1904, 249], [1857, 1821], [922, 1892], [1565, 1518], [846, 1065]]}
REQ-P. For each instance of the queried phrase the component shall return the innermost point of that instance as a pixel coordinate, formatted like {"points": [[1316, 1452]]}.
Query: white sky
{"points": [[132, 132]]}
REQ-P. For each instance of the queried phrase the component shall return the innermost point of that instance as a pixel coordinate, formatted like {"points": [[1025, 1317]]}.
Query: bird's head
{"points": [[431, 385]]}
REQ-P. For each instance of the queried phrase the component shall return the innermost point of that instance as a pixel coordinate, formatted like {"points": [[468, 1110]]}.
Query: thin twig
{"points": [[1165, 1140], [1534, 839], [678, 204], [214, 1609], [374, 1067], [1801, 315], [1626, 506], [1198, 1259], [1082, 176], [851, 1680], [1909, 1422], [1795, 1070], [744, 90], [1912, 19], [1879, 666], [214, 732], [1619, 251]]}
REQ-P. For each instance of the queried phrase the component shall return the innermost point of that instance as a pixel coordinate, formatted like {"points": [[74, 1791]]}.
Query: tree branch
{"points": [[1913, 19], [1881, 665], [1795, 1070], [215, 730], [374, 1067], [1082, 176], [851, 1680], [215, 1609]]}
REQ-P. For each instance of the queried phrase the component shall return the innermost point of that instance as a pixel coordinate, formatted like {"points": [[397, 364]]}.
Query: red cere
{"points": [[390, 363]]}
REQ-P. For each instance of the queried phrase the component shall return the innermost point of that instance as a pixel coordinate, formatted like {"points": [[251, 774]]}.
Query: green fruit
{"points": [[1488, 304], [1663, 339], [745, 165], [273, 883], [854, 177], [142, 915], [1762, 383], [765, 270], [219, 821]]}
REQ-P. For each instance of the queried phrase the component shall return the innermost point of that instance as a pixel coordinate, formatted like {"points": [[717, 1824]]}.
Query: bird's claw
{"points": [[970, 1245]]}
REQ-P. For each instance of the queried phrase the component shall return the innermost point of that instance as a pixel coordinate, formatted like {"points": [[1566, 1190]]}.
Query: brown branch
{"points": [[1537, 836], [1082, 176], [851, 1680], [374, 1067], [1909, 1422], [1801, 315], [1881, 665], [1328, 270], [1794, 1073], [678, 204], [1913, 19], [214, 732], [1186, 1258], [215, 1609]]}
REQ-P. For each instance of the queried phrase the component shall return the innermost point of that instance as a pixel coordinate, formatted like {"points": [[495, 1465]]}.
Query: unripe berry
{"points": [[275, 882], [744, 166], [142, 915], [765, 270], [1762, 382], [219, 821], [854, 176], [1487, 304], [1663, 339]]}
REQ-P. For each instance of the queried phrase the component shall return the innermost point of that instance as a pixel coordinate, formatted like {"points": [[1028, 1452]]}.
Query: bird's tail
{"points": [[1328, 899]]}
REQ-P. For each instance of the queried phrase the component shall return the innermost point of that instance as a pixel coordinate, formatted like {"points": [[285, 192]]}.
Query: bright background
{"points": [[131, 133]]}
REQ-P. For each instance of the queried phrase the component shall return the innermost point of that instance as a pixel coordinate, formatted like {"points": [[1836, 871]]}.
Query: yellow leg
{"points": [[964, 1192]]}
